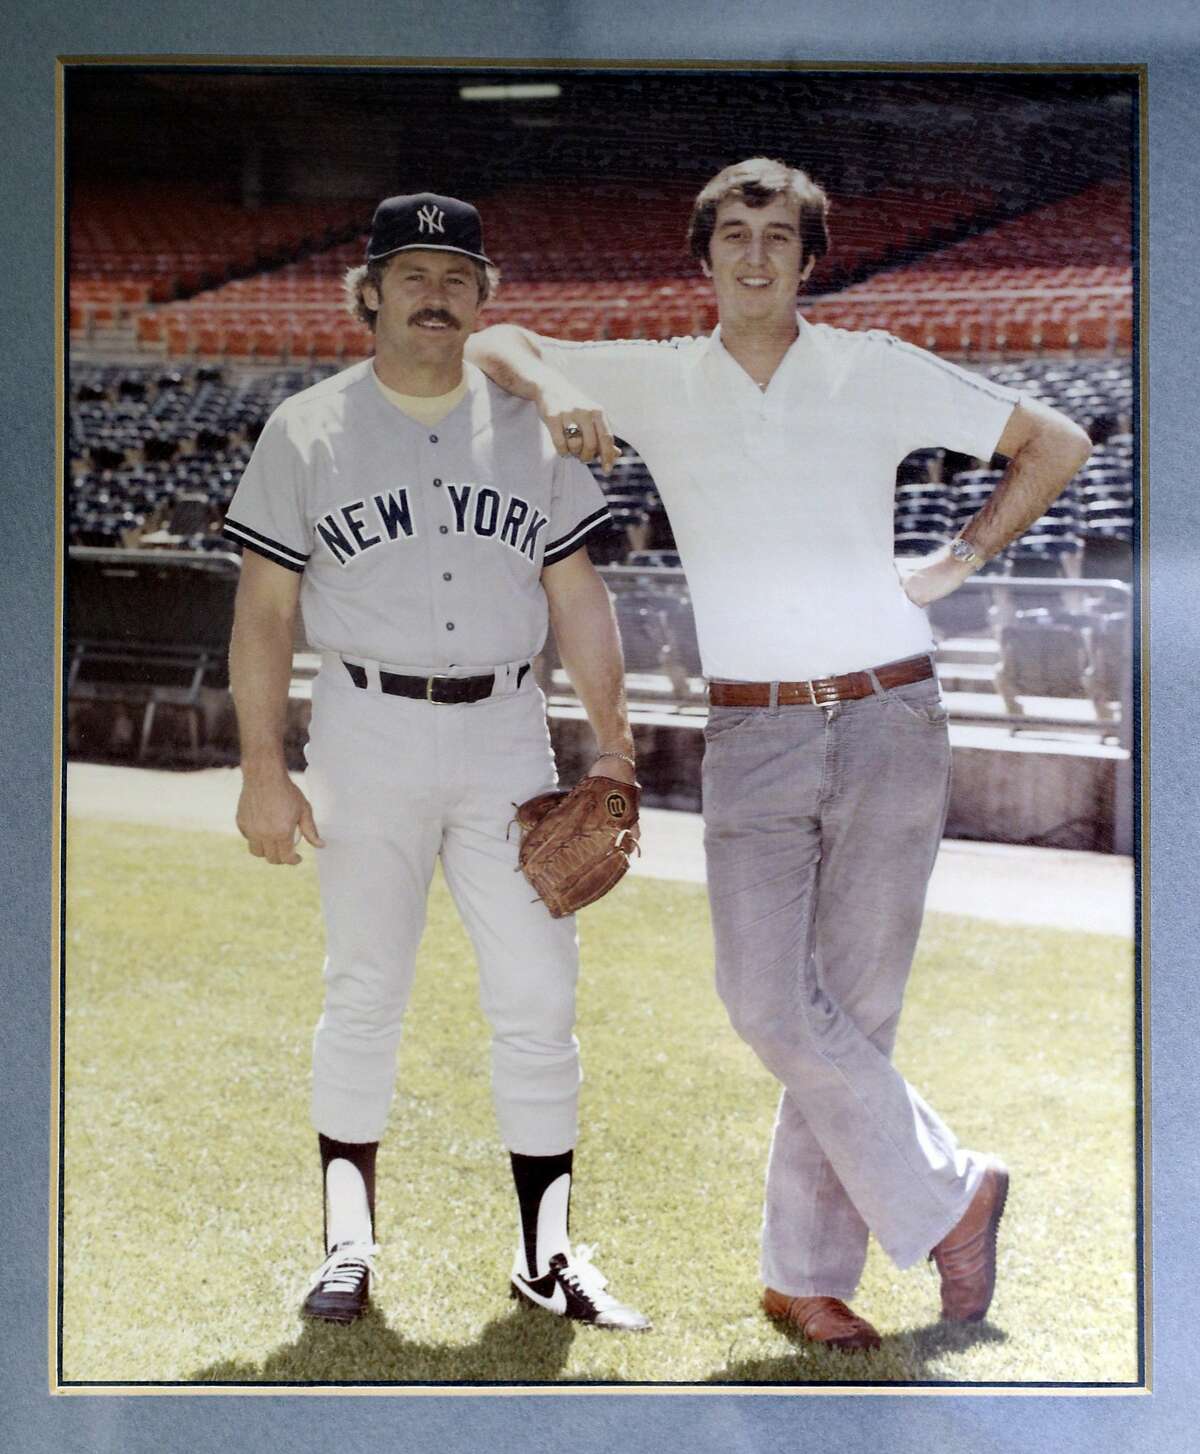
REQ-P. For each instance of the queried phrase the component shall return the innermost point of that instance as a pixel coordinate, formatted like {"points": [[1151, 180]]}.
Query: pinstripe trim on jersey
{"points": [[263, 545], [1000, 392], [567, 544]]}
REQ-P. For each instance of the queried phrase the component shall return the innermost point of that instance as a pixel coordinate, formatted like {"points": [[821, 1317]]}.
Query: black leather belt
{"points": [[446, 691], [851, 687]]}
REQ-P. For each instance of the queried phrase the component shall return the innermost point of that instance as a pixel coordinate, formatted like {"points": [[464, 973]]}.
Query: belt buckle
{"points": [[429, 697], [824, 691]]}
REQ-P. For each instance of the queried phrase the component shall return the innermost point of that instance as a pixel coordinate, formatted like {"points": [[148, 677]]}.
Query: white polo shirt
{"points": [[781, 501]]}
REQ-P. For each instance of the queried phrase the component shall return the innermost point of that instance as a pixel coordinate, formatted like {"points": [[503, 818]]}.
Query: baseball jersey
{"points": [[421, 546], [781, 501]]}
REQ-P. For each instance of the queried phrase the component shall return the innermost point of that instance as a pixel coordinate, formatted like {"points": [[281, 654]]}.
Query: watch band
{"points": [[962, 550]]}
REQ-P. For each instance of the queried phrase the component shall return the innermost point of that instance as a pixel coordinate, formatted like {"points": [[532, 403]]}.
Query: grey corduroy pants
{"points": [[821, 829]]}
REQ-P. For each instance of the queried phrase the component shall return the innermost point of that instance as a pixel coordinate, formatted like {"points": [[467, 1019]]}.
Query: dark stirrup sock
{"points": [[533, 1176], [360, 1155]]}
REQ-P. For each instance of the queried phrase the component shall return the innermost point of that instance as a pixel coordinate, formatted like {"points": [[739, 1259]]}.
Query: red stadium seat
{"points": [[1056, 334], [326, 346], [625, 324], [1015, 335], [581, 327], [239, 343], [209, 342], [356, 341], [908, 328], [946, 335], [268, 344], [1093, 331]]}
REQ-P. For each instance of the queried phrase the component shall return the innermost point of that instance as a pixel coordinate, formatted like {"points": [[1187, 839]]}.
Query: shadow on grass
{"points": [[517, 1348], [520, 1348], [909, 1357]]}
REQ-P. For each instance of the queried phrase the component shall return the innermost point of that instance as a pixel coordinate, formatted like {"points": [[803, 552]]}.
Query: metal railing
{"points": [[1094, 621]]}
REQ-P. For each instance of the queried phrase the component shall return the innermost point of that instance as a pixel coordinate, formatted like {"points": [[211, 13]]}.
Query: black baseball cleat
{"points": [[341, 1288], [573, 1288]]}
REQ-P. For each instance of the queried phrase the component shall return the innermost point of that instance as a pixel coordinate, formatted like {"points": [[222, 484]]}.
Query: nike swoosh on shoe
{"points": [[546, 1291]]}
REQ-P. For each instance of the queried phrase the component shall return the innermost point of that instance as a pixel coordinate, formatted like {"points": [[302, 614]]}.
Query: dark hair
{"points": [[356, 279], [757, 182]]}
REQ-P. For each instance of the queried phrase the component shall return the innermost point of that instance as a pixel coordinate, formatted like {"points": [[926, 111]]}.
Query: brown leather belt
{"points": [[822, 690]]}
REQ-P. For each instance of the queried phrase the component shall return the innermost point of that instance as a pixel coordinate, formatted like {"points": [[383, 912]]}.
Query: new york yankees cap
{"points": [[426, 221]]}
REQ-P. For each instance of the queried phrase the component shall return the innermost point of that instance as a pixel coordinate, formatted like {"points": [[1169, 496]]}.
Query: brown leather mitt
{"points": [[575, 845]]}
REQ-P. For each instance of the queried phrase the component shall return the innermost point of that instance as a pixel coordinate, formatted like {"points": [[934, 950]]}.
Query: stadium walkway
{"points": [[1037, 886]]}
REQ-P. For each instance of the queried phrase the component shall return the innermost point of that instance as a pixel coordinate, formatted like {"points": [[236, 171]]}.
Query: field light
{"points": [[521, 91]]}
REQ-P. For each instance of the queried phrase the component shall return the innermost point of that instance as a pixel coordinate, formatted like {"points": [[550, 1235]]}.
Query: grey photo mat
{"points": [[597, 1420]]}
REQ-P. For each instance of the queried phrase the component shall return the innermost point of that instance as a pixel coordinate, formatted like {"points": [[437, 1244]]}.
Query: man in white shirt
{"points": [[774, 445]]}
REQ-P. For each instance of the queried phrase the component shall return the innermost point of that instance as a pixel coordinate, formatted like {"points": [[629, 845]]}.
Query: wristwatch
{"points": [[962, 550]]}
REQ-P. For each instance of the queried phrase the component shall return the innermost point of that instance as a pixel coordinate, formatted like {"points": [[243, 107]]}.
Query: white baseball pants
{"points": [[395, 783]]}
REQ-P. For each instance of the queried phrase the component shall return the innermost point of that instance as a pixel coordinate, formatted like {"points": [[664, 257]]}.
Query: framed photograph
{"points": [[147, 1166]]}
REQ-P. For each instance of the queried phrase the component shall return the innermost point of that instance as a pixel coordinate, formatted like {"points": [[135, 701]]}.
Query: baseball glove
{"points": [[575, 845]]}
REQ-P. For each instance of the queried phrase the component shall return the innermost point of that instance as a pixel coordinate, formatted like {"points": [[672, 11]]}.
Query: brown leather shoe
{"points": [[824, 1320], [966, 1256]]}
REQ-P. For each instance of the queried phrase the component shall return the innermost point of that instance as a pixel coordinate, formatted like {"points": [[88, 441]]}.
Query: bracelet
{"points": [[623, 756]]}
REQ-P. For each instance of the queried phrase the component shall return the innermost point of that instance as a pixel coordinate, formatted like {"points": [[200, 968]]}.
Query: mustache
{"points": [[433, 315]]}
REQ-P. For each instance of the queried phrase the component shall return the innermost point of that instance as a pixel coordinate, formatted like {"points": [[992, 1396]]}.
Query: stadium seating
{"points": [[265, 284], [132, 244], [140, 438], [1051, 281], [1039, 301]]}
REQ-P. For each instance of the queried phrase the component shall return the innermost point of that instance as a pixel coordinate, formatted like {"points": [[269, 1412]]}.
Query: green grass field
{"points": [[192, 1191]]}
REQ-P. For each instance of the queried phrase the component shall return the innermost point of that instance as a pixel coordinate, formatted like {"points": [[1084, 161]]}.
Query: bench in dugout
{"points": [[149, 630]]}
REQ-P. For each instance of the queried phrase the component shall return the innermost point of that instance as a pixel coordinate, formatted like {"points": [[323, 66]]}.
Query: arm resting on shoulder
{"points": [[585, 628], [512, 358], [271, 808], [1045, 449]]}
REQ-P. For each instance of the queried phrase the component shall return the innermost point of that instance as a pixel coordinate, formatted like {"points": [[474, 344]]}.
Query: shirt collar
{"points": [[714, 349]]}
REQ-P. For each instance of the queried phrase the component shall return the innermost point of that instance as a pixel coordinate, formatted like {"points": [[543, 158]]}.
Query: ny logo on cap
{"points": [[430, 219]]}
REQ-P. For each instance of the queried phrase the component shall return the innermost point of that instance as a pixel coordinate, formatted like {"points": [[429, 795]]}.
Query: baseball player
{"points": [[775, 444], [425, 525]]}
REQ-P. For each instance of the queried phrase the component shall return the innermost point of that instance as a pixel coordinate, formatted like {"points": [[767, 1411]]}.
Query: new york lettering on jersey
{"points": [[299, 505], [359, 525]]}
